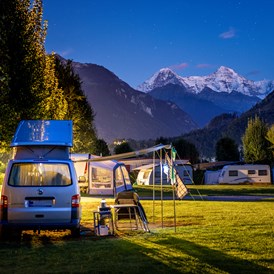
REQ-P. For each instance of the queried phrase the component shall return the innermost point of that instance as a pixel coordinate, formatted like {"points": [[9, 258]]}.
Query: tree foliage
{"points": [[270, 138], [78, 108], [186, 150], [122, 148], [255, 144], [101, 148], [227, 150], [29, 87], [33, 84]]}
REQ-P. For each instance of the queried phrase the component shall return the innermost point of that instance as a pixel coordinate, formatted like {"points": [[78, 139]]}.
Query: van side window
{"points": [[251, 171], [233, 173], [40, 174], [262, 172]]}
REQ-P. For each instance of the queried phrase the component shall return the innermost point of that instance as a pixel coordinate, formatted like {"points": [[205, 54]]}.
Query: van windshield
{"points": [[40, 174]]}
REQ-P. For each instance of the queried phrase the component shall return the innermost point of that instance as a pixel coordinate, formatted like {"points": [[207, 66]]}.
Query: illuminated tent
{"points": [[103, 178]]}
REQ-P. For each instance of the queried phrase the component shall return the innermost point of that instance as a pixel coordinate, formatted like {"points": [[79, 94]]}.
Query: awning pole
{"points": [[173, 187], [162, 206], [153, 194]]}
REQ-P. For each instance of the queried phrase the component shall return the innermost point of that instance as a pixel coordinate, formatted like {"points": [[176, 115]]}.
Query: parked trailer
{"points": [[245, 174], [145, 175]]}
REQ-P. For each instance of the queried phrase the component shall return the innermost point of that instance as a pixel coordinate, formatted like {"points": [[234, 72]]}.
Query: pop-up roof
{"points": [[43, 133]]}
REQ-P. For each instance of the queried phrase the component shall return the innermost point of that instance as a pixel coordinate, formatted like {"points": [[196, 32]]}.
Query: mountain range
{"points": [[204, 97], [122, 112], [223, 80], [170, 109]]}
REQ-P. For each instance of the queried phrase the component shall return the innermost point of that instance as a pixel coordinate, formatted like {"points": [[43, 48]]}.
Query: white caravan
{"points": [[245, 174], [145, 175]]}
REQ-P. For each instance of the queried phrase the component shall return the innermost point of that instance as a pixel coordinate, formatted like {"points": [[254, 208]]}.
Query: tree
{"points": [[78, 108], [255, 144], [227, 150], [270, 138], [186, 150], [122, 148], [29, 88], [101, 148]]}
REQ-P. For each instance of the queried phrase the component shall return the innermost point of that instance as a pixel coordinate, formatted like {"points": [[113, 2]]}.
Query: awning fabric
{"points": [[127, 154]]}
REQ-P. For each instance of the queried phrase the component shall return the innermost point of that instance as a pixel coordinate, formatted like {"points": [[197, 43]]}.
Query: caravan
{"points": [[245, 174], [145, 175]]}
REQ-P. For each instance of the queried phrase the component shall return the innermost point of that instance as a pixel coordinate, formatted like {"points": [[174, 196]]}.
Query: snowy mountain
{"points": [[223, 80], [122, 112]]}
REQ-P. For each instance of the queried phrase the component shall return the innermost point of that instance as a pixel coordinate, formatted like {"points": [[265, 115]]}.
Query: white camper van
{"points": [[40, 189], [245, 174]]}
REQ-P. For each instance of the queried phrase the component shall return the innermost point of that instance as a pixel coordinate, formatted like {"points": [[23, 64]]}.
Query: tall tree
{"points": [[186, 150], [255, 144], [227, 150], [78, 108], [270, 138], [28, 82], [101, 148], [122, 148]]}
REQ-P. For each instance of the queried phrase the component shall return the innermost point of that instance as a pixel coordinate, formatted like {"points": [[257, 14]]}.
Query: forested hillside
{"points": [[229, 125]]}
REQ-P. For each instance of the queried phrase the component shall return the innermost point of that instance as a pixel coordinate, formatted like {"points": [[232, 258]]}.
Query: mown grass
{"points": [[208, 190], [210, 237]]}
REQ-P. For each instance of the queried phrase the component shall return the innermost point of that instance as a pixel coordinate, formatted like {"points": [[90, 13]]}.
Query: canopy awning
{"points": [[127, 154]]}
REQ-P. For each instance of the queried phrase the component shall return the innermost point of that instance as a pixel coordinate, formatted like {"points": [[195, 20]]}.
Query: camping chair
{"points": [[128, 211]]}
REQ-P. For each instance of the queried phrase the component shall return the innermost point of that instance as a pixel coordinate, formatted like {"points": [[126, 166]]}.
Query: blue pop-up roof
{"points": [[43, 132]]}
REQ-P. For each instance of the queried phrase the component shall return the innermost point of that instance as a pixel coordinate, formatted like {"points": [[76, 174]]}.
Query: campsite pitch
{"points": [[210, 237]]}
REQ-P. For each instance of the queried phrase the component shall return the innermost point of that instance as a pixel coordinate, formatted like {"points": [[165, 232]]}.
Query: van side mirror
{"points": [[81, 179]]}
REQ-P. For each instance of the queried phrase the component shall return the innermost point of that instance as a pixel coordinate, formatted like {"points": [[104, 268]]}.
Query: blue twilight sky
{"points": [[136, 38]]}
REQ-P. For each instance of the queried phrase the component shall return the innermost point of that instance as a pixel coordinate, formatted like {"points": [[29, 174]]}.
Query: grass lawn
{"points": [[209, 190], [210, 237]]}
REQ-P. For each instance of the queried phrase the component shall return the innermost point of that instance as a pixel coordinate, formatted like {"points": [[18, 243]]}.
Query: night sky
{"points": [[134, 39]]}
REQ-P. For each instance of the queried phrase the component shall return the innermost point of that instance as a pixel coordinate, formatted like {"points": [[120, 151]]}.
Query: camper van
{"points": [[145, 175], [40, 189], [101, 177], [245, 174]]}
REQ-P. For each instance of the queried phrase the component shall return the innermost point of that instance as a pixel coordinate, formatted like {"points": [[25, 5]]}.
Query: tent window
{"points": [[119, 177], [262, 172], [100, 177], [233, 173], [126, 175]]}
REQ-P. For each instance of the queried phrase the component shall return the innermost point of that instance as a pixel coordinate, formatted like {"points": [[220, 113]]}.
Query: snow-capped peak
{"points": [[223, 80], [161, 78]]}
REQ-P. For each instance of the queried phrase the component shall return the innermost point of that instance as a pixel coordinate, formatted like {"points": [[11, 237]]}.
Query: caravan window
{"points": [[233, 173], [262, 172], [100, 177], [40, 174], [252, 171], [146, 174]]}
